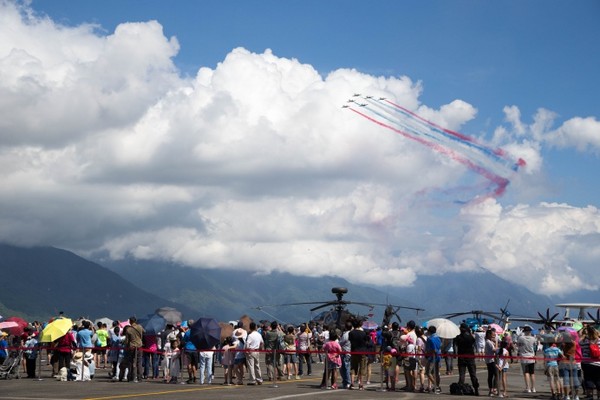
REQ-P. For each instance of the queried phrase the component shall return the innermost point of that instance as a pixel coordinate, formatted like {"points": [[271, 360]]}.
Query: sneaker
{"points": [[533, 390], [297, 377], [567, 398], [576, 397]]}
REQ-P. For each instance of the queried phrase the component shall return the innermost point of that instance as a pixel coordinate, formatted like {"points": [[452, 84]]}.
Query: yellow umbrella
{"points": [[56, 329]]}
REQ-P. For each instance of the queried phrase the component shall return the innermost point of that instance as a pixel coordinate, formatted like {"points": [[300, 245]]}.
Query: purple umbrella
{"points": [[205, 333]]}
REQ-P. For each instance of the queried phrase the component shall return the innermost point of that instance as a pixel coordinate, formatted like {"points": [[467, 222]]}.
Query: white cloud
{"points": [[254, 165]]}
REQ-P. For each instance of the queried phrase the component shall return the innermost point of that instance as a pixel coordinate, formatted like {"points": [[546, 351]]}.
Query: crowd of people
{"points": [[410, 356]]}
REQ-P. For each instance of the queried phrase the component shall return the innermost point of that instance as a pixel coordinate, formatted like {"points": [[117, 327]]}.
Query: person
{"points": [[289, 356], [333, 361], [205, 368], [254, 343], [79, 368], [345, 357], [590, 365], [151, 356], [31, 344], [552, 354], [227, 357], [175, 360], [84, 336], [479, 341], [391, 339], [239, 360], [526, 346], [419, 349], [409, 362], [273, 338], [3, 347], [62, 348], [464, 348], [190, 351], [489, 353], [371, 354], [448, 352], [433, 349], [568, 369], [303, 348], [115, 354], [102, 341], [132, 359], [502, 363], [358, 360]]}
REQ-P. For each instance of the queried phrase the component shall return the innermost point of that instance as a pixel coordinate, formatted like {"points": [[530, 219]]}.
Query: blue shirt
{"points": [[433, 346], [188, 345], [84, 338], [551, 354]]}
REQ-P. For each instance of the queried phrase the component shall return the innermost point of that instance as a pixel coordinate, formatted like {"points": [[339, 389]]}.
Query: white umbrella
{"points": [[444, 328]]}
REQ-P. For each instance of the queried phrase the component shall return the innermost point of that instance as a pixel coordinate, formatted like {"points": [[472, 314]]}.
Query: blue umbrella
{"points": [[205, 333], [155, 324]]}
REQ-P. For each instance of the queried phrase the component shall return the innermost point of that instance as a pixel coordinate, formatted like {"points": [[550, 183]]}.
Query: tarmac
{"points": [[103, 388]]}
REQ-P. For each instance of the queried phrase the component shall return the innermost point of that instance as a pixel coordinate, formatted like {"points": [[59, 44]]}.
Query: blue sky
{"points": [[225, 113], [491, 54]]}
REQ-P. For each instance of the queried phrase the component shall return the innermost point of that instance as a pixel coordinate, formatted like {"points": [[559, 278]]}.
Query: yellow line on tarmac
{"points": [[165, 392]]}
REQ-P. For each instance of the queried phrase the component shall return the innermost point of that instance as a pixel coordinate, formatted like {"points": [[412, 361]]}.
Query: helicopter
{"points": [[337, 313], [480, 317]]}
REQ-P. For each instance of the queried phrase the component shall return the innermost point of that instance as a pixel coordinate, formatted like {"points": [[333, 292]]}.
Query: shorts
{"points": [[552, 373], [569, 380], [239, 361], [192, 357], [290, 358], [528, 368], [358, 361]]}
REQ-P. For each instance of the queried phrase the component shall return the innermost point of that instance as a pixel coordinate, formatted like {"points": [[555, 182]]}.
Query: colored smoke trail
{"points": [[495, 165]]}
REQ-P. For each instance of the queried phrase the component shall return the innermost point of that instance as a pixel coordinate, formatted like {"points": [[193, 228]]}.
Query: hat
{"points": [[239, 332], [88, 356], [527, 328], [3, 333], [77, 356]]}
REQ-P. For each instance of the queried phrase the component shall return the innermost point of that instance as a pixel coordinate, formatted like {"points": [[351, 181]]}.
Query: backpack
{"points": [[461, 389], [594, 350], [395, 342]]}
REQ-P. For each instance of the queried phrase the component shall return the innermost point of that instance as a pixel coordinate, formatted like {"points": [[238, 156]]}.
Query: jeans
{"points": [[206, 364], [345, 370], [304, 358]]}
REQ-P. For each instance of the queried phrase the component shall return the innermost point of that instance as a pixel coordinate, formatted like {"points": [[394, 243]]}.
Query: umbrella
{"points": [[16, 330], [205, 333], [8, 324], [444, 328], [56, 329], [369, 325], [499, 330], [104, 320], [171, 315], [155, 324]]}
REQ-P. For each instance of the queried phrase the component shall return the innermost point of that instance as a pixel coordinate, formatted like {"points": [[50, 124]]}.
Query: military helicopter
{"points": [[479, 317], [338, 313]]}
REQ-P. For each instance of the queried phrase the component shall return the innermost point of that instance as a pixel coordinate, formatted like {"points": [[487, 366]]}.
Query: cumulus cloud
{"points": [[106, 149]]}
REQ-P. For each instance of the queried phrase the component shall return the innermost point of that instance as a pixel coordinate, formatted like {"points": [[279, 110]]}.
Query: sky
{"points": [[213, 134]]}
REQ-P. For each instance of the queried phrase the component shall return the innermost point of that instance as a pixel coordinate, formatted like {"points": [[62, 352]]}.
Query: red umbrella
{"points": [[16, 330]]}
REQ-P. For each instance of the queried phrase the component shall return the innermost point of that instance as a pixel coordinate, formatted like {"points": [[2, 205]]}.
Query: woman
{"points": [[489, 352], [589, 364], [290, 359], [332, 350]]}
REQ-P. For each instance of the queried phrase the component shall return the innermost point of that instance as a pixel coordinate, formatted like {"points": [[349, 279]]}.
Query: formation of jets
{"points": [[352, 100]]}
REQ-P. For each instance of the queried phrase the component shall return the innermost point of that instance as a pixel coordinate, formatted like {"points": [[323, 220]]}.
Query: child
{"points": [[552, 354], [175, 363], [502, 365], [332, 349], [227, 357]]}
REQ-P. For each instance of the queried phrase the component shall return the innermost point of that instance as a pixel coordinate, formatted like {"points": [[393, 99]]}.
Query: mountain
{"points": [[39, 282], [228, 294]]}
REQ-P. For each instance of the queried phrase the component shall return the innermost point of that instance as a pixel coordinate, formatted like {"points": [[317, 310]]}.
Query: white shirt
{"points": [[254, 341]]}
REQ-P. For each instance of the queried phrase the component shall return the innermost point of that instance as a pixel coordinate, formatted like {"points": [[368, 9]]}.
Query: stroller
{"points": [[11, 366]]}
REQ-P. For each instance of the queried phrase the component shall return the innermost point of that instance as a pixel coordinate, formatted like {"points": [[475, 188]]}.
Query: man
{"points": [[358, 361], [273, 339], [191, 352], [346, 348], [464, 347], [526, 345], [254, 343], [433, 351], [133, 351]]}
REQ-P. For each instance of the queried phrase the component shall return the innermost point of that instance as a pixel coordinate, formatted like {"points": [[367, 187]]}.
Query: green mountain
{"points": [[39, 282]]}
